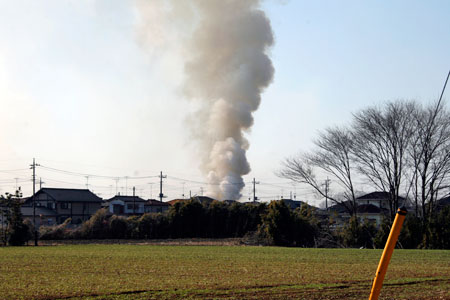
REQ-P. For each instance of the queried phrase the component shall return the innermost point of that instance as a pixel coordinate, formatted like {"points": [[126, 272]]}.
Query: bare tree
{"points": [[430, 154], [381, 139], [332, 156]]}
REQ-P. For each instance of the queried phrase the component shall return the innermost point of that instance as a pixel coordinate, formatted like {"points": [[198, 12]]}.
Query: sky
{"points": [[81, 93]]}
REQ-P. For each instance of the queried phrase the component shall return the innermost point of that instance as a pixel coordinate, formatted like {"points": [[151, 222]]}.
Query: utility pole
{"points": [[87, 182], [161, 195], [40, 183], [33, 166], [126, 185], [254, 190], [134, 200], [327, 186]]}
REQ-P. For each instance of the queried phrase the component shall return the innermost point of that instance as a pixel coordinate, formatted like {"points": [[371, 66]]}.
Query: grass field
{"points": [[216, 272]]}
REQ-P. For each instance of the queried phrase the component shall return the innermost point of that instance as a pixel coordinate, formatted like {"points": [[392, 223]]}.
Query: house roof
{"points": [[127, 198], [296, 203], [376, 196], [153, 202], [172, 202], [361, 209], [70, 195], [443, 201], [340, 207], [203, 199]]}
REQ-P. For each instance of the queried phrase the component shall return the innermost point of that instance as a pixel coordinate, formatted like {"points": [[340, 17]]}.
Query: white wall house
{"points": [[126, 205]]}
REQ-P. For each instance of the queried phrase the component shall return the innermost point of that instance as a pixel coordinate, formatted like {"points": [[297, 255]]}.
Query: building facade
{"points": [[55, 205]]}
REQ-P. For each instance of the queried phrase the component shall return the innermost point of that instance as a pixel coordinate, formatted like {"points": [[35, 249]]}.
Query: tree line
{"points": [[400, 147], [256, 224]]}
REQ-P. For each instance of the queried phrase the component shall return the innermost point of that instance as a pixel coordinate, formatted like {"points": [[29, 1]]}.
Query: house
{"points": [[371, 213], [293, 204], [203, 199], [44, 215], [372, 207], [55, 205], [379, 199], [125, 205], [155, 206], [443, 202], [174, 201]]}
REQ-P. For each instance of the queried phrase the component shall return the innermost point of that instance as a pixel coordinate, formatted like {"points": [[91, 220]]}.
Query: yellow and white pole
{"points": [[387, 253]]}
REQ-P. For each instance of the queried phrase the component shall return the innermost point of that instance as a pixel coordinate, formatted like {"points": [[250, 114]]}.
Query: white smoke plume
{"points": [[226, 67]]}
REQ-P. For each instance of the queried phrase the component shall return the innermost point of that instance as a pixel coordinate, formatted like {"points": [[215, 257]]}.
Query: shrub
{"points": [[118, 227], [278, 224], [440, 230], [96, 227], [16, 232], [412, 234], [55, 232], [358, 234], [305, 229]]}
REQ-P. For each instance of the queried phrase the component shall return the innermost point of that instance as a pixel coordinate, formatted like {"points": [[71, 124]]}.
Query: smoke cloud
{"points": [[225, 47]]}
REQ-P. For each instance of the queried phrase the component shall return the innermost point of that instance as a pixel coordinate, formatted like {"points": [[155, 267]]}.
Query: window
{"points": [[118, 209], [130, 207], [65, 205]]}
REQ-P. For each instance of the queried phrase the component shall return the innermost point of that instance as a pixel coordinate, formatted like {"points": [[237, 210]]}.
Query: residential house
{"points": [[293, 204], [155, 206], [43, 215], [372, 207], [125, 205], [55, 205], [379, 199], [443, 202]]}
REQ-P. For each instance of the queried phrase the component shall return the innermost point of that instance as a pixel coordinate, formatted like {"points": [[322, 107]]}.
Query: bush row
{"points": [[273, 224]]}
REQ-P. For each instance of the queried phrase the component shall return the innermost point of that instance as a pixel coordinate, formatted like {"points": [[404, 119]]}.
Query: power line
{"points": [[95, 175]]}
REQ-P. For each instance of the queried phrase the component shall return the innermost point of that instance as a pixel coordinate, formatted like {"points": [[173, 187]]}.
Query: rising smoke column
{"points": [[226, 70]]}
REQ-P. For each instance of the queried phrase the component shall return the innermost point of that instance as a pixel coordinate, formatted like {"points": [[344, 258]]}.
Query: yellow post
{"points": [[387, 253]]}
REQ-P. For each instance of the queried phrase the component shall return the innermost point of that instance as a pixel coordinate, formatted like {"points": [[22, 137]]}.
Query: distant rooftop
{"points": [[376, 195], [127, 198], [70, 195], [153, 202]]}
